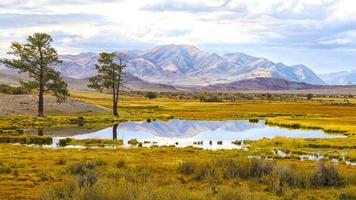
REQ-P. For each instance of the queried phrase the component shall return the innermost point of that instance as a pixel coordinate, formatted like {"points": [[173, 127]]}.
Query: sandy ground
{"points": [[27, 104]]}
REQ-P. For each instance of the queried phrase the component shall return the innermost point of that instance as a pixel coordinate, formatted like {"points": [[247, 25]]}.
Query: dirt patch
{"points": [[27, 105]]}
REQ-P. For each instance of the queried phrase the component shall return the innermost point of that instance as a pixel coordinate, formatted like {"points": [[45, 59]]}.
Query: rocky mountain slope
{"points": [[258, 84], [185, 65], [340, 78]]}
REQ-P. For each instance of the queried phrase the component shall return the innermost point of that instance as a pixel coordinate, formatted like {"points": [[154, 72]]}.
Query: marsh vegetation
{"points": [[159, 172]]}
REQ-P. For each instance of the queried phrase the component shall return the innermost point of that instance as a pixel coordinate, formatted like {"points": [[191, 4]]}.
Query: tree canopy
{"points": [[110, 68], [37, 58]]}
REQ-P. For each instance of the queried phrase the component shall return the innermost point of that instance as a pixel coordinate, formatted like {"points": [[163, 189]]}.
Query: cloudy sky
{"points": [[318, 33]]}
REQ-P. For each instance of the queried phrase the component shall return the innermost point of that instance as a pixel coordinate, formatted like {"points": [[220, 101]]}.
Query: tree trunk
{"points": [[41, 89], [114, 132], [115, 112], [114, 103], [40, 100], [40, 132]]}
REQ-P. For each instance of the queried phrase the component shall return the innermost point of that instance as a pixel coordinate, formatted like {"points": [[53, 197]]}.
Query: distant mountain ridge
{"points": [[340, 78], [260, 84], [273, 84], [186, 65]]}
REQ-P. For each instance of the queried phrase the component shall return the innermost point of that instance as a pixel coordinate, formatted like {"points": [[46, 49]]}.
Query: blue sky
{"points": [[320, 34]]}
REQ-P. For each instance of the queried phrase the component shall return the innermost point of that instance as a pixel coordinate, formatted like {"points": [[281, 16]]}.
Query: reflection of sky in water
{"points": [[186, 132]]}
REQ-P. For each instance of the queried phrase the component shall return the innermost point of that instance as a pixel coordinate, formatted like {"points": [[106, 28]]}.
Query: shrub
{"points": [[121, 163], [133, 142], [282, 178], [7, 89], [60, 161], [253, 120], [77, 169], [84, 167], [25, 139], [295, 126], [71, 188], [347, 195], [151, 95], [64, 142], [139, 174], [226, 169], [209, 98], [327, 175], [186, 167], [88, 180], [5, 169], [43, 176]]}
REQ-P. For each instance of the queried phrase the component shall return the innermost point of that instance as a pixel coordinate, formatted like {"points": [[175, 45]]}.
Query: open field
{"points": [[31, 172]]}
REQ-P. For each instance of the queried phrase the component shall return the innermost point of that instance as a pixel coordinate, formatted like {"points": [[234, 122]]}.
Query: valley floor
{"points": [[31, 172]]}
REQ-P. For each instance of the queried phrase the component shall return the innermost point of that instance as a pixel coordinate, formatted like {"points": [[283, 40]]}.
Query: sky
{"points": [[320, 34]]}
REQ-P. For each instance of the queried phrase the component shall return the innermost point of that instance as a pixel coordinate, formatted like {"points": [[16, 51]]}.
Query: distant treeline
{"points": [[7, 89], [219, 97]]}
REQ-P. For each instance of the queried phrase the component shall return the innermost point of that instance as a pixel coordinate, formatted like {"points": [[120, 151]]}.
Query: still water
{"points": [[183, 133]]}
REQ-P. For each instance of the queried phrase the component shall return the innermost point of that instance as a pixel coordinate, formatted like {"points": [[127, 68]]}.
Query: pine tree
{"points": [[110, 72], [37, 58]]}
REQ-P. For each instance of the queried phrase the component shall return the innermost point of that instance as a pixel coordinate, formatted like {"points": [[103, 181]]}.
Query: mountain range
{"points": [[185, 65], [261, 84], [340, 78]]}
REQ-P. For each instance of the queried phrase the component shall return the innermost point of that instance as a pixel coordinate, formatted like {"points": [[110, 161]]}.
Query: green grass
{"points": [[188, 173], [37, 172]]}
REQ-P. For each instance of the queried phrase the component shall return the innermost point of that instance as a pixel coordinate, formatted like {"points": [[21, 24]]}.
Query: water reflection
{"points": [[204, 134], [114, 132], [40, 132]]}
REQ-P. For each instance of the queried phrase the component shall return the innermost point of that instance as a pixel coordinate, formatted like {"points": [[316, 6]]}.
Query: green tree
{"points": [[151, 95], [310, 96], [110, 73], [37, 57]]}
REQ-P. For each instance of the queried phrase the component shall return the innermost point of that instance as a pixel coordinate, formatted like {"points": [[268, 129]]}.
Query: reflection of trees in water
{"points": [[40, 132], [114, 132]]}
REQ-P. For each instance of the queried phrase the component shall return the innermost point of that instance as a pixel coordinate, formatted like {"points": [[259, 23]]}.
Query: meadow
{"points": [[32, 172]]}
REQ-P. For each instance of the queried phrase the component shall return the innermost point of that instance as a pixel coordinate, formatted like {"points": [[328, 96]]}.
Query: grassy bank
{"points": [[157, 173], [30, 173]]}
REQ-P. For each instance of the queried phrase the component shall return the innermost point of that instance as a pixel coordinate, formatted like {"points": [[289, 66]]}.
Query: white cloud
{"points": [[79, 25]]}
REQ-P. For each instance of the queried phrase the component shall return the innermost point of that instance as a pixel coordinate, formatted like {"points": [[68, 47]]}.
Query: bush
{"points": [[64, 142], [25, 139], [283, 178], [327, 175], [7, 89], [60, 161], [227, 169], [121, 163], [186, 167], [209, 98], [106, 189], [5, 169], [348, 195], [253, 120], [133, 142], [84, 167], [151, 95], [139, 174]]}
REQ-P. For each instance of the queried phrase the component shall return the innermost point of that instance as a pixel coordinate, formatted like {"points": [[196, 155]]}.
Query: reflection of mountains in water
{"points": [[187, 128]]}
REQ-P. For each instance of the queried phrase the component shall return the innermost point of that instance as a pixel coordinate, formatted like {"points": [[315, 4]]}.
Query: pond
{"points": [[183, 133]]}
